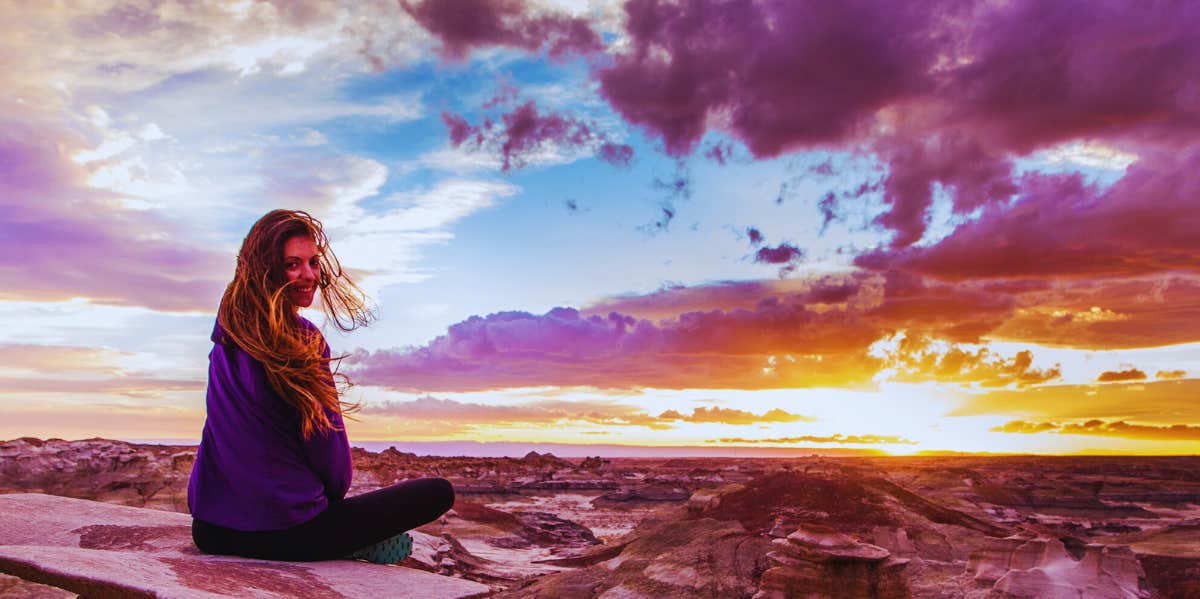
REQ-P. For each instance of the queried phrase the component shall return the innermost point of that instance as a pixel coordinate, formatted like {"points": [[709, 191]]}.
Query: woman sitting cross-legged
{"points": [[273, 467]]}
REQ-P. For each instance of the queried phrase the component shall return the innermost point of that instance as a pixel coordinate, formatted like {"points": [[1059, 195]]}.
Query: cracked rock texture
{"points": [[101, 550]]}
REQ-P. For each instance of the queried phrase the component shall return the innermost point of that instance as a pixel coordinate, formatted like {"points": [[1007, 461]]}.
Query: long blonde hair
{"points": [[257, 314]]}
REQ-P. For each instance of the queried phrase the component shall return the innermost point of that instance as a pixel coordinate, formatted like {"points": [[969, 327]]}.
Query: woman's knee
{"points": [[440, 493], [445, 492], [205, 539]]}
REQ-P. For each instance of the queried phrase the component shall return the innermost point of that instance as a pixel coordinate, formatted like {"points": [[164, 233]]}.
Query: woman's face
{"points": [[302, 264]]}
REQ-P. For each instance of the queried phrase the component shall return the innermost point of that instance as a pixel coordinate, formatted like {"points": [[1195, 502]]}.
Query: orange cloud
{"points": [[1020, 426], [1118, 428], [1114, 401], [733, 416], [918, 360], [608, 413], [697, 349], [58, 358], [131, 385], [84, 421], [1170, 374], [801, 333], [817, 336], [1142, 311], [1131, 374], [539, 412]]}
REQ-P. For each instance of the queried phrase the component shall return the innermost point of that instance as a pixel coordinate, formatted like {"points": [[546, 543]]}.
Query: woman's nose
{"points": [[308, 273]]}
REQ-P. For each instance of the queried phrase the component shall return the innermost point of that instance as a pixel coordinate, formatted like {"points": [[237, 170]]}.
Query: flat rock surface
{"points": [[102, 550]]}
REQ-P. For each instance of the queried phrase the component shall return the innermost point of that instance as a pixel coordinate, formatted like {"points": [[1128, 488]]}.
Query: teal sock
{"points": [[388, 551]]}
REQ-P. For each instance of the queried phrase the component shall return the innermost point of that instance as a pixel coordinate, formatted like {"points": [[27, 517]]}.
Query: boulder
{"points": [[544, 528], [103, 550]]}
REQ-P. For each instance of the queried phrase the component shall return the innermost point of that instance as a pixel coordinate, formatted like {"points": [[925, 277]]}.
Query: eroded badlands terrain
{"points": [[540, 526]]}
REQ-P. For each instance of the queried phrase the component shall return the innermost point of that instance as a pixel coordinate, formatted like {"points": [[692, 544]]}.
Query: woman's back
{"points": [[253, 470]]}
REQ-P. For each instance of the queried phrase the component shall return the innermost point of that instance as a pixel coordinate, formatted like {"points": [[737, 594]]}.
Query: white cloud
{"points": [[131, 46], [386, 247], [439, 207], [309, 137], [1088, 154], [455, 160]]}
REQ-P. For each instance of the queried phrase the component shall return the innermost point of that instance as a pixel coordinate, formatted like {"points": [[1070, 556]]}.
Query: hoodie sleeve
{"points": [[328, 452]]}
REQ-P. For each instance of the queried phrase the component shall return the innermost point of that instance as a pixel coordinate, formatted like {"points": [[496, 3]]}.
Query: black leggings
{"points": [[344, 527]]}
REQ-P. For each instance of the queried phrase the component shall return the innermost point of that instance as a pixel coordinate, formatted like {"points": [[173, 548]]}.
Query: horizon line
{"points": [[517, 449]]}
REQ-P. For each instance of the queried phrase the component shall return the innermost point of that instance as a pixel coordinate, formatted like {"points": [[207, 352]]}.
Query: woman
{"points": [[273, 467]]}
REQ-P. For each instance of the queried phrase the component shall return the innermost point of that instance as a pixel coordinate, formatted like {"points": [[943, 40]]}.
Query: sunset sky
{"points": [[903, 226]]}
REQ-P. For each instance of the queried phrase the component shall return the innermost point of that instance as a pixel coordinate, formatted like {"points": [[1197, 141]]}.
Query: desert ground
{"points": [[543, 526]]}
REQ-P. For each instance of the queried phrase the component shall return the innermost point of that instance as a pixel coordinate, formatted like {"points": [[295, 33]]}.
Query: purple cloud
{"points": [[525, 130], [60, 239], [463, 25]]}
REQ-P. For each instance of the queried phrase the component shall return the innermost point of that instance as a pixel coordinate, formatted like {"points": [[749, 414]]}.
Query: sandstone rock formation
{"points": [[112, 471], [817, 561], [101, 550], [528, 527], [1037, 567], [704, 558]]}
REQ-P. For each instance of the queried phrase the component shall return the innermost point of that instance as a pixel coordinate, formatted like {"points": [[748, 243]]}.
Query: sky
{"points": [[898, 227]]}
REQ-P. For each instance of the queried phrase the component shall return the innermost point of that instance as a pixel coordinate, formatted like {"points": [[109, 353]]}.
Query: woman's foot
{"points": [[388, 551]]}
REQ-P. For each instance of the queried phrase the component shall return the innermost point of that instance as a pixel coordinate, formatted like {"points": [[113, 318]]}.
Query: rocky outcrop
{"points": [[817, 561], [548, 529], [594, 464], [12, 587], [650, 492], [707, 499], [1038, 567], [566, 485], [1172, 576], [102, 550], [527, 528], [705, 558], [798, 498], [544, 460], [153, 476]]}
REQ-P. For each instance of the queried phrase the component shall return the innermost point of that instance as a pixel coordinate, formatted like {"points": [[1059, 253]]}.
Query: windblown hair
{"points": [[257, 315]]}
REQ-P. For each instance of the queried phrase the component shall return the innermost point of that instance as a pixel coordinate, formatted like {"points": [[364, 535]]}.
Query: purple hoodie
{"points": [[254, 471]]}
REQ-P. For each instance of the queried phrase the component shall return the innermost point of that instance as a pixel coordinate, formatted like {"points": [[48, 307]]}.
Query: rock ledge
{"points": [[103, 550]]}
